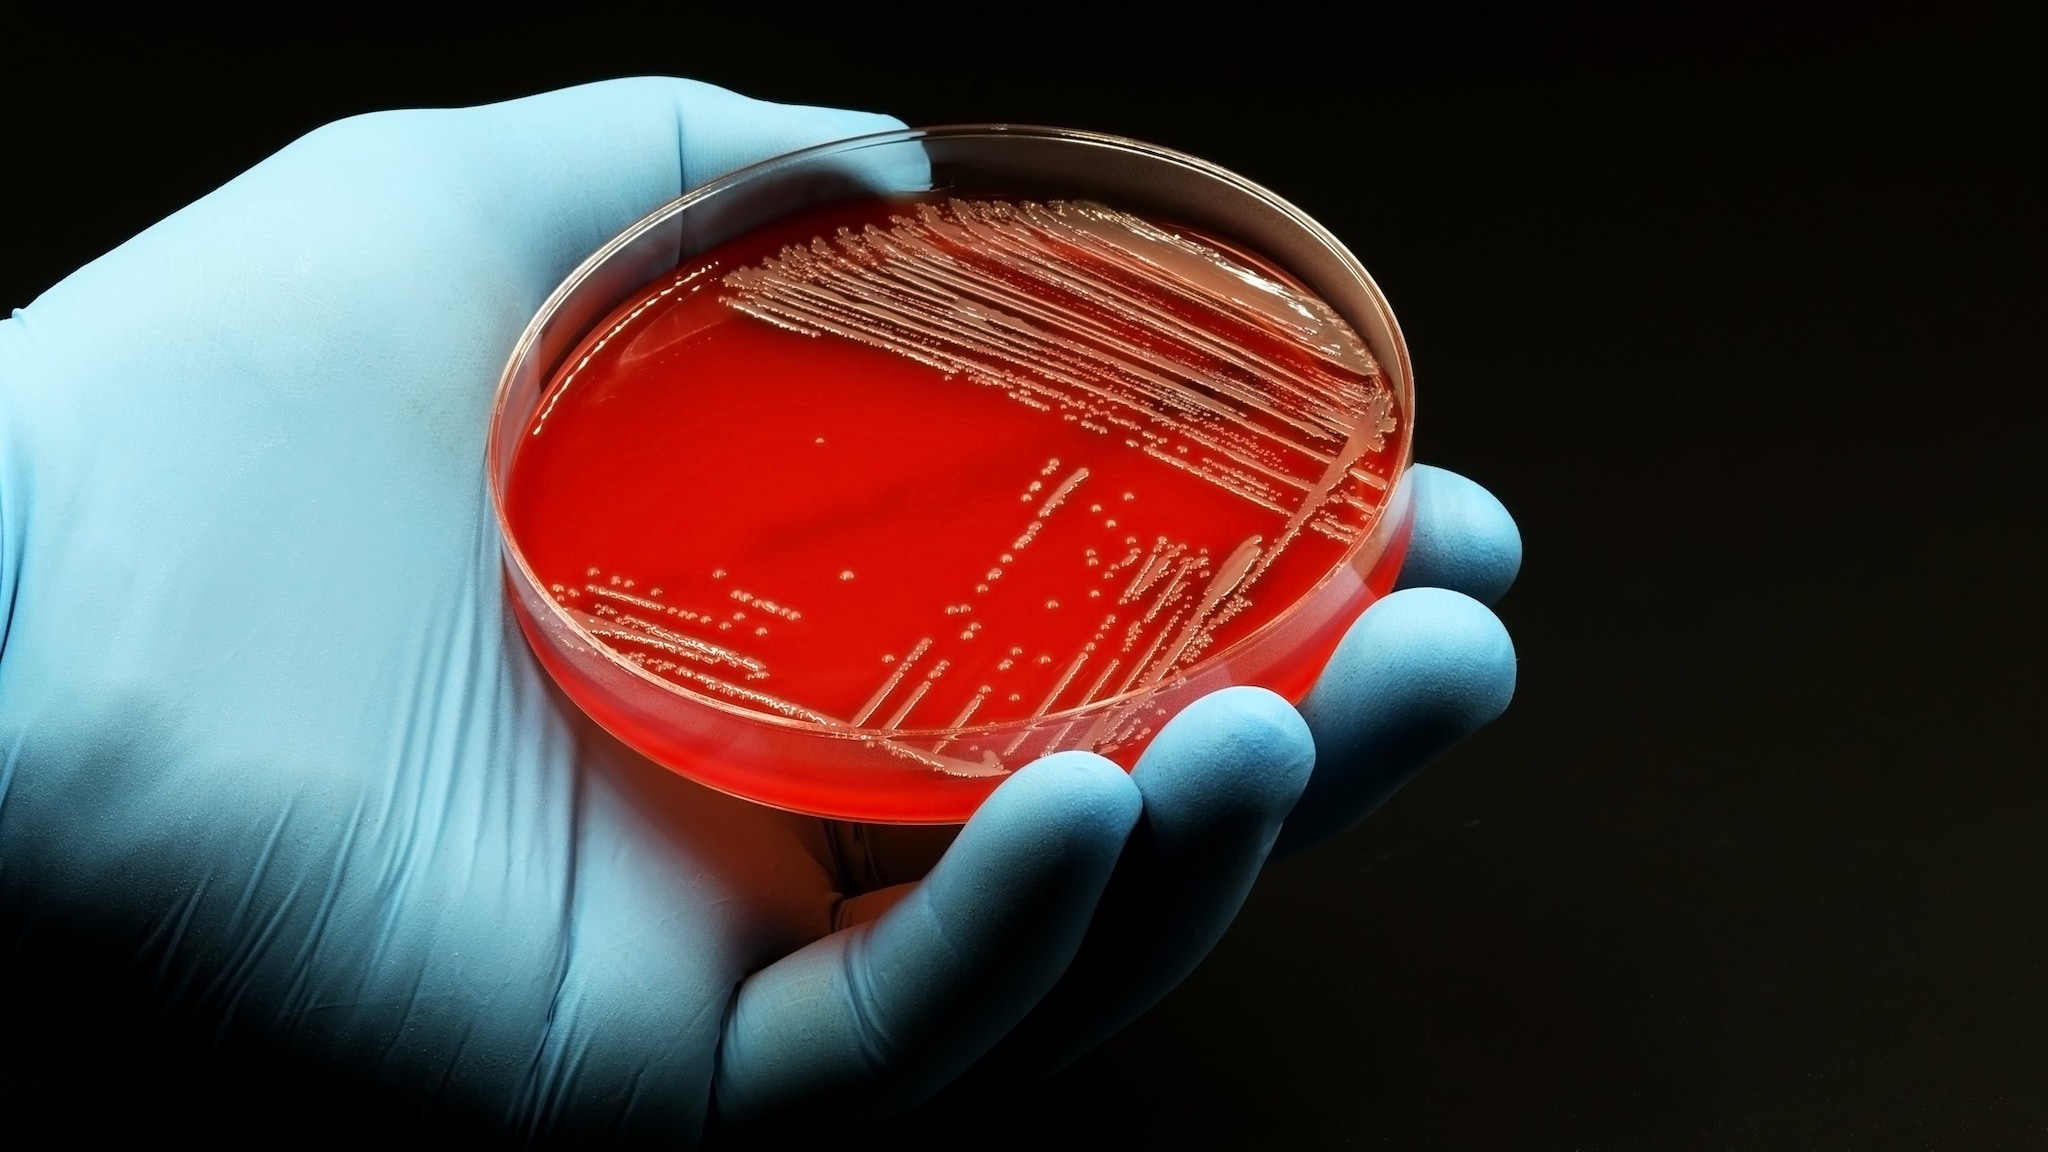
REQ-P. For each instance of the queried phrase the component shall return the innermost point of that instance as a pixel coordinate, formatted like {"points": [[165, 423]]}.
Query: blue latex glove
{"points": [[280, 781]]}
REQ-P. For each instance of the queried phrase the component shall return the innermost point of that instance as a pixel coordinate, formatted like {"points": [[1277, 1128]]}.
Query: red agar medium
{"points": [[925, 468]]}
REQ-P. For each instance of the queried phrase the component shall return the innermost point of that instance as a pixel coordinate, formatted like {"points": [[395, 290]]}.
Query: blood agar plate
{"points": [[856, 480]]}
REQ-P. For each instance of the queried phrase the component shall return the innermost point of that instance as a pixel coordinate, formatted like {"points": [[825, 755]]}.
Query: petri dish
{"points": [[857, 479]]}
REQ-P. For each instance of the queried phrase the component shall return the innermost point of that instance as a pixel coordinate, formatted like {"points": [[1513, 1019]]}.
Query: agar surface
{"points": [[1147, 345]]}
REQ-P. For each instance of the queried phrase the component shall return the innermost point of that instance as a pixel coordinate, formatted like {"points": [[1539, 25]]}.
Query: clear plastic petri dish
{"points": [[857, 479]]}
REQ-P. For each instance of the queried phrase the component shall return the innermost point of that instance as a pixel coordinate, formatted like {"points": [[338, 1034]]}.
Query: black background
{"points": [[1741, 317]]}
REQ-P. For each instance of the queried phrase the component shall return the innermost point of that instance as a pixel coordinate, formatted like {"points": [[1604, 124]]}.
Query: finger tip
{"points": [[1242, 725], [1464, 537], [1087, 791], [1425, 648], [1420, 671], [1236, 755]]}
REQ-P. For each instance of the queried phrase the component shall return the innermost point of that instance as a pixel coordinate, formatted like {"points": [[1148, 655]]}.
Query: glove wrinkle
{"points": [[539, 1084], [13, 334], [297, 1006]]}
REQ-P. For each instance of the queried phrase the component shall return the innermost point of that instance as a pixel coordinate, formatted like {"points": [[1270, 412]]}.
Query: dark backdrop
{"points": [[1741, 318]]}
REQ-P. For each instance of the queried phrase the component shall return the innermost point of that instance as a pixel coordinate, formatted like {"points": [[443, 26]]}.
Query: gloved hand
{"points": [[281, 786]]}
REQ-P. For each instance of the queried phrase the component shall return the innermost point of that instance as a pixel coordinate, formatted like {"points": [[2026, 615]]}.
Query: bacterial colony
{"points": [[925, 466]]}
